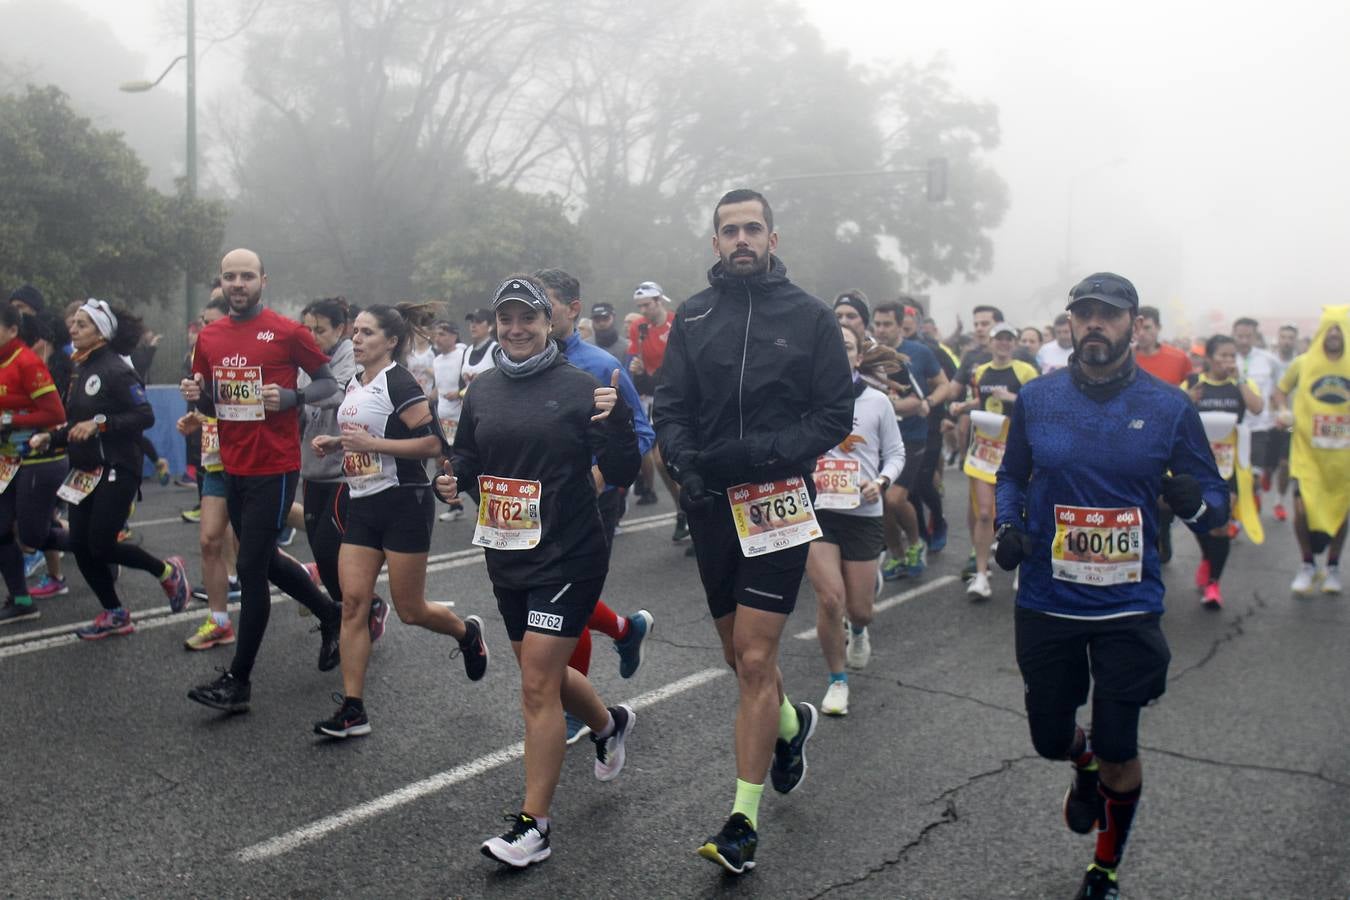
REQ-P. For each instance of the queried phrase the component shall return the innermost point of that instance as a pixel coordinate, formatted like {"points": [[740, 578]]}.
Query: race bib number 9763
{"points": [[772, 516]]}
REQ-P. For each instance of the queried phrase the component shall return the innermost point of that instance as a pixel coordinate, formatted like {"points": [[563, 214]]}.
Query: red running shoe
{"points": [[1281, 514]]}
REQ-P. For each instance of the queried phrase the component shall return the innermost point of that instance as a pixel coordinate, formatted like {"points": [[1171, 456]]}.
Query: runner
{"points": [[387, 432], [1317, 384], [983, 319], [28, 400], [1055, 354], [250, 360], [850, 481], [993, 389], [479, 356], [1223, 402], [755, 386], [1286, 349], [1259, 366], [1087, 455], [108, 412], [448, 364], [544, 541], [647, 341], [629, 633], [42, 534], [1159, 359]]}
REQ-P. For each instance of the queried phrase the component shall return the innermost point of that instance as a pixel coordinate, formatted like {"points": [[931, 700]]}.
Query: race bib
{"points": [[508, 513], [1331, 432], [1224, 455], [773, 516], [238, 393], [988, 440], [837, 483], [448, 426], [210, 443], [9, 467], [1098, 546], [360, 463], [79, 484]]}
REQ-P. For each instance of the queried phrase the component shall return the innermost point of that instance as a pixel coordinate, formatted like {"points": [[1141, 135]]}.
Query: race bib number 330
{"points": [[508, 513], [1097, 546], [772, 516]]}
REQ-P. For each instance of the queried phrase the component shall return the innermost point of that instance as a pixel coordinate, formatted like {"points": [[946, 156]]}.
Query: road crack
{"points": [[1235, 629]]}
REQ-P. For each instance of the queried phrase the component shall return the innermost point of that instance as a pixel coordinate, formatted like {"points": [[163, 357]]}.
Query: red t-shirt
{"points": [[650, 341], [1168, 363], [23, 377], [236, 357]]}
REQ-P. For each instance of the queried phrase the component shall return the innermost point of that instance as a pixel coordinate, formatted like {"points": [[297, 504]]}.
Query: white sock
{"points": [[609, 726], [221, 618]]}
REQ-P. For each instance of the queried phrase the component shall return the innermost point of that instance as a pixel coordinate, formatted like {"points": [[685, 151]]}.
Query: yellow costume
{"points": [[1319, 390]]}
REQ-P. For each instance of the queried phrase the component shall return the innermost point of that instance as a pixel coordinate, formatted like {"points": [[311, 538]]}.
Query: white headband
{"points": [[103, 317]]}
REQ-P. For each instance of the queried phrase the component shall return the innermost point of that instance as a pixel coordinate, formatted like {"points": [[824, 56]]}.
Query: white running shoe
{"points": [[836, 699], [524, 844], [1331, 580], [454, 514], [978, 589], [1303, 581], [609, 752], [859, 650]]}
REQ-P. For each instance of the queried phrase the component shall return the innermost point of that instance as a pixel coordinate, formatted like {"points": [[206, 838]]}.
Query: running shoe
{"points": [[893, 569], [209, 635], [859, 650], [379, 613], [979, 589], [162, 472], [938, 537], [1213, 598], [1281, 514], [609, 751], [1202, 575], [789, 757], [187, 479], [681, 531], [836, 699], [915, 561], [225, 693], [49, 587], [969, 569], [524, 844], [176, 586], [1303, 581], [691, 552], [33, 563], [330, 644], [453, 514], [233, 591], [105, 624], [733, 848], [1082, 801], [193, 515], [1331, 580], [576, 729], [14, 612], [350, 720], [1098, 884], [648, 499], [629, 647], [473, 648], [286, 537]]}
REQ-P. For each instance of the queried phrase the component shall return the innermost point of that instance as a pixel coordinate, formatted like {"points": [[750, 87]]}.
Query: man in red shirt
{"points": [[1154, 357], [647, 351], [244, 374]]}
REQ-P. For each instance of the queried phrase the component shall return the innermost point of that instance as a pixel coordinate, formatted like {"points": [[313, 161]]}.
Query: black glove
{"points": [[1014, 545], [694, 497], [1182, 493], [727, 461]]}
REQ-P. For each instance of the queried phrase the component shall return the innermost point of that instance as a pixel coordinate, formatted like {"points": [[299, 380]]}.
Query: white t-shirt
{"points": [[1262, 369], [447, 367], [477, 360], [421, 365], [1052, 356], [375, 407]]}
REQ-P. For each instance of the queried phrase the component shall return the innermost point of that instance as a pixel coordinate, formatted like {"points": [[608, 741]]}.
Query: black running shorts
{"points": [[1123, 659], [913, 463], [859, 538], [769, 582], [398, 519], [560, 610]]}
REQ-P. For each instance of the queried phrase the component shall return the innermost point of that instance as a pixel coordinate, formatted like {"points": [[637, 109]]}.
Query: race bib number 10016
{"points": [[508, 513], [1097, 546], [772, 516]]}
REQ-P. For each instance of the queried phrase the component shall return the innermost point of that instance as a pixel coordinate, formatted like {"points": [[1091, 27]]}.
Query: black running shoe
{"points": [[733, 848], [226, 692], [681, 527], [330, 644], [13, 612], [349, 721], [1082, 802], [1098, 884], [789, 757], [473, 648]]}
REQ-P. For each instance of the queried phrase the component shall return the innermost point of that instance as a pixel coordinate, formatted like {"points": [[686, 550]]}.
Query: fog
{"points": [[1196, 148]]}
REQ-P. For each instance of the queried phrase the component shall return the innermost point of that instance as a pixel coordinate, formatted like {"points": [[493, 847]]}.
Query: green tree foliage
{"points": [[77, 218]]}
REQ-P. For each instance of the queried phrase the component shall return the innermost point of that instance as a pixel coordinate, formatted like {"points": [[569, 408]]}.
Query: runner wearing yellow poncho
{"points": [[1318, 386]]}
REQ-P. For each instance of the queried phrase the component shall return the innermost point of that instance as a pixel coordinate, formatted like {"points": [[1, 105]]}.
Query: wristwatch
{"points": [[101, 422], [884, 481]]}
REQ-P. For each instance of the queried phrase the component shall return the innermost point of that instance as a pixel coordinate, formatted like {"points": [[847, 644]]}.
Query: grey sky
{"points": [[1230, 191]]}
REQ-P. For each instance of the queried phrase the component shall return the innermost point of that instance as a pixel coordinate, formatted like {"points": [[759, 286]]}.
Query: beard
{"points": [[1097, 350], [744, 263], [253, 298], [606, 336]]}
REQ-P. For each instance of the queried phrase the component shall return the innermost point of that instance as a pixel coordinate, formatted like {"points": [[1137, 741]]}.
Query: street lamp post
{"points": [[136, 87]]}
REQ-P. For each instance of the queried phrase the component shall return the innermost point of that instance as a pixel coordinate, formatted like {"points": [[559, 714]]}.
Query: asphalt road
{"points": [[119, 786]]}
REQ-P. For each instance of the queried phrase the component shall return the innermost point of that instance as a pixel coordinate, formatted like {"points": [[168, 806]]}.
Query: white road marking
{"points": [[883, 605], [320, 828], [148, 522]]}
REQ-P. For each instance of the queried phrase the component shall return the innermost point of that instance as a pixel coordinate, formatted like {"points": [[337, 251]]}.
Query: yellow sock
{"points": [[747, 800], [788, 724]]}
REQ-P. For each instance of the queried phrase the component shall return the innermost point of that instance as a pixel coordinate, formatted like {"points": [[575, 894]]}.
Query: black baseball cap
{"points": [[1107, 287], [479, 315], [602, 310], [525, 292]]}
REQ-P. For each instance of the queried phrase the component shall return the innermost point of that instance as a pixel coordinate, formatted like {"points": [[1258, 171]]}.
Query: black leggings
{"points": [[94, 524], [26, 515], [924, 491], [1115, 730], [325, 516], [258, 505]]}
